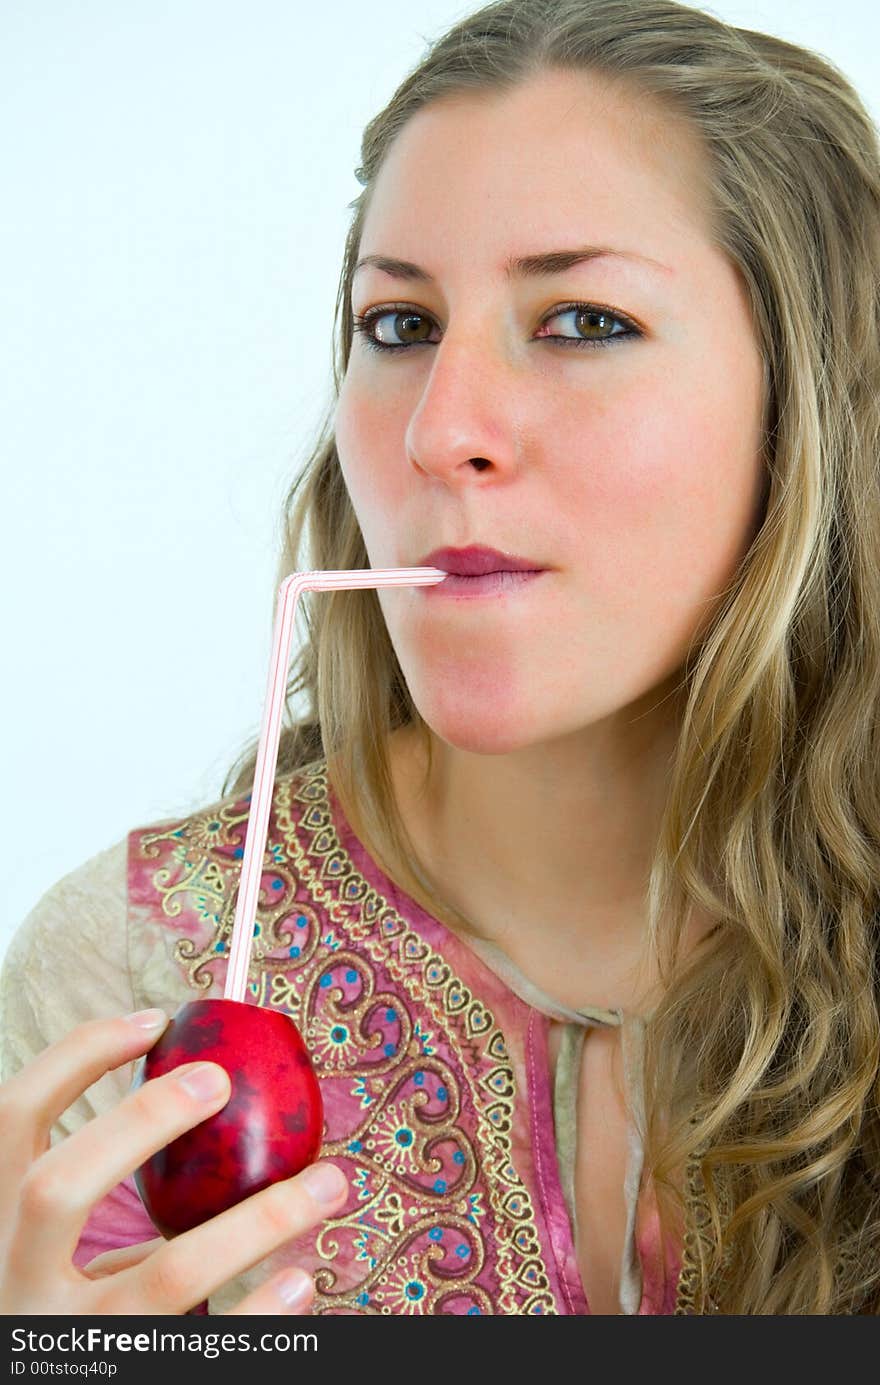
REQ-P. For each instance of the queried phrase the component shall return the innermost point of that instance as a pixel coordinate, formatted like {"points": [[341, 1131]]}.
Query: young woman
{"points": [[571, 882]]}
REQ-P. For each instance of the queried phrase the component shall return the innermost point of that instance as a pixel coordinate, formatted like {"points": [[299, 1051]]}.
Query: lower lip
{"points": [[491, 584]]}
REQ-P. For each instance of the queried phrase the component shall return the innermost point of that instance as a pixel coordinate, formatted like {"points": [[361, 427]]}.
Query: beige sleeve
{"points": [[68, 962]]}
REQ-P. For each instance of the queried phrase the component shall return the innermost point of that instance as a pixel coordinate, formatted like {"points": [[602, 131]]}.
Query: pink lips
{"points": [[477, 561], [478, 572]]}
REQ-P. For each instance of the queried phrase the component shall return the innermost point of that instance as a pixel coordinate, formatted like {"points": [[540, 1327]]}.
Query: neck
{"points": [[546, 852]]}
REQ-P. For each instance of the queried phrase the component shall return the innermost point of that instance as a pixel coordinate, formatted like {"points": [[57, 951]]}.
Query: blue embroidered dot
{"points": [[351, 976], [218, 947], [458, 1157], [355, 1147], [326, 980], [300, 923], [414, 1290], [294, 952], [213, 827], [363, 1298], [256, 929], [277, 884], [390, 1016], [389, 1050], [238, 853], [404, 1137], [474, 1312], [439, 1185], [247, 798], [462, 1251], [441, 1093], [435, 1234], [419, 1079], [339, 1033]]}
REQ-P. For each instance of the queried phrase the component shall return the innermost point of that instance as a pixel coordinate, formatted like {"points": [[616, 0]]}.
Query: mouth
{"points": [[501, 583], [478, 561], [479, 571]]}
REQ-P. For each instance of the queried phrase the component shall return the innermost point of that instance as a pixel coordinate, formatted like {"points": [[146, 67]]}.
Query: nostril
{"points": [[480, 463]]}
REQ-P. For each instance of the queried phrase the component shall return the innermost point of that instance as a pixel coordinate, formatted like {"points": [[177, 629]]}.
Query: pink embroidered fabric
{"points": [[438, 1096]]}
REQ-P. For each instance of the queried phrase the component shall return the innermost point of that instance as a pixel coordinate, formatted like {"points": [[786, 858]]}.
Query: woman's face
{"points": [[631, 471]]}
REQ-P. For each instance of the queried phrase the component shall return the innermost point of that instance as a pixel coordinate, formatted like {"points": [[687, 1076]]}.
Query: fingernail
{"points": [[148, 1019], [325, 1182], [205, 1082], [295, 1288]]}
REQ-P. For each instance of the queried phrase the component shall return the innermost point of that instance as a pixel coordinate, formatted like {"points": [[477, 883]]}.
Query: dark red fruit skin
{"points": [[270, 1128]]}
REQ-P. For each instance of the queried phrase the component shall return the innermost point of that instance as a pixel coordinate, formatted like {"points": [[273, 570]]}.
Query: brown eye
{"points": [[588, 320], [408, 327], [411, 326], [594, 326]]}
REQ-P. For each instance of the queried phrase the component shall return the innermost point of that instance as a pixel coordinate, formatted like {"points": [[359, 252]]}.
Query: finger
{"points": [[188, 1269], [289, 1291], [60, 1189], [110, 1261], [32, 1100]]}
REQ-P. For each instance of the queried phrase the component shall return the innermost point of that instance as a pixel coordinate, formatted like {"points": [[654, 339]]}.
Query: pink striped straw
{"points": [[270, 736]]}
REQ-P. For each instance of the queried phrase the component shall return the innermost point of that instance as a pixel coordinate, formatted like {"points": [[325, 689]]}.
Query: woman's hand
{"points": [[47, 1193]]}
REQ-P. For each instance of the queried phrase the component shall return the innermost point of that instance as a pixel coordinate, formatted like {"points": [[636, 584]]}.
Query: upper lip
{"points": [[478, 560]]}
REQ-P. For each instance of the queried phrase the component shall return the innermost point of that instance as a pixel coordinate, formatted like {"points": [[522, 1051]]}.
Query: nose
{"points": [[466, 419]]}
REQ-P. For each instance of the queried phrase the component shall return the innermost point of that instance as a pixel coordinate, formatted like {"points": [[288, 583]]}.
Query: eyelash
{"points": [[363, 323]]}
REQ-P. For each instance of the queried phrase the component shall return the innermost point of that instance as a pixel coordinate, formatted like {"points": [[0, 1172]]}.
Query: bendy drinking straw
{"points": [[270, 735]]}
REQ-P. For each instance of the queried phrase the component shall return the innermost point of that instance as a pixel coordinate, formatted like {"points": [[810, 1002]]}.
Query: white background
{"points": [[174, 189]]}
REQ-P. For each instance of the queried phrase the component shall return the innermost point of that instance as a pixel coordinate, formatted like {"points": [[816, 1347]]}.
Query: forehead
{"points": [[565, 154]]}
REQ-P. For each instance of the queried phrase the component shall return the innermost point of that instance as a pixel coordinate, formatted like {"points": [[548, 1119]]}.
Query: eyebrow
{"points": [[517, 267]]}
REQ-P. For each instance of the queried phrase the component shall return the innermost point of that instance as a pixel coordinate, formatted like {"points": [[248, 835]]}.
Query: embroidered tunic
{"points": [[432, 1054]]}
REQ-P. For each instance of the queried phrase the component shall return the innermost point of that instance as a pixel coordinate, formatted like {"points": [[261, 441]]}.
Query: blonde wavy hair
{"points": [[762, 1058]]}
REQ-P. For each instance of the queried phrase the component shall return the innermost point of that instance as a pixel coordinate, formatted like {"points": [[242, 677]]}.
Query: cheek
{"points": [[368, 429], [667, 494]]}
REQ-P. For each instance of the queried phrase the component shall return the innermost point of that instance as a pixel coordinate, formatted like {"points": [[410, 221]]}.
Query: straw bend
{"points": [[289, 593], [327, 579]]}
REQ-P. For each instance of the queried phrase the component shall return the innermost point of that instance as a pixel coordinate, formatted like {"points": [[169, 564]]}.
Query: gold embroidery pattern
{"points": [[206, 851], [409, 1098], [691, 1297]]}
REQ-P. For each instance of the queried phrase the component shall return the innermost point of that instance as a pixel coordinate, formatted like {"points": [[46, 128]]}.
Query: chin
{"points": [[478, 699]]}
